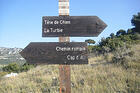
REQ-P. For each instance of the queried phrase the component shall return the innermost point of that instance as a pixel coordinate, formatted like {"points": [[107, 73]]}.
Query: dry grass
{"points": [[37, 80], [96, 77], [85, 79], [104, 79]]}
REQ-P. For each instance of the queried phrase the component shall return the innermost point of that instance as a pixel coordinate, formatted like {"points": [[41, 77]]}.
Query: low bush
{"points": [[14, 67]]}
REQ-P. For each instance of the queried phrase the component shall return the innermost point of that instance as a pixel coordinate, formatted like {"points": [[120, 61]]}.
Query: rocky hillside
{"points": [[8, 55], [9, 51]]}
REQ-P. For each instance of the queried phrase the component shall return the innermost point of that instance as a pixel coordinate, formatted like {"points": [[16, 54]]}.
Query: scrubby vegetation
{"points": [[114, 67], [119, 44], [121, 39], [14, 67]]}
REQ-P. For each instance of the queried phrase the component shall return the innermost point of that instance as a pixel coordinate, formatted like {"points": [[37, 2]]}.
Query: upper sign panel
{"points": [[74, 26]]}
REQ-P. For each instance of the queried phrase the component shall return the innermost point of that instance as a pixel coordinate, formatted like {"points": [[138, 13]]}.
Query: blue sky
{"points": [[21, 20]]}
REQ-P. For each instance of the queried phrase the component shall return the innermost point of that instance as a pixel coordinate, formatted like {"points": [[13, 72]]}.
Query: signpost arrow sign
{"points": [[81, 26], [56, 53]]}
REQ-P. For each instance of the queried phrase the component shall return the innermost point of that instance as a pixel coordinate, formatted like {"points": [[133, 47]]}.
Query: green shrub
{"points": [[122, 55], [90, 48], [26, 67], [14, 67]]}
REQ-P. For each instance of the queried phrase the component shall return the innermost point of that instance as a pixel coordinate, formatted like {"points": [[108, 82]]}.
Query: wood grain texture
{"points": [[65, 78], [65, 73], [64, 70]]}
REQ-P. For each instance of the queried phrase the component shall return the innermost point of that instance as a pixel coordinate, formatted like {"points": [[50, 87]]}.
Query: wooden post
{"points": [[64, 70]]}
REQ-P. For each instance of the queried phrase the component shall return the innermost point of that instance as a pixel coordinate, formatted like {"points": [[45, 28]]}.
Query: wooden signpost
{"points": [[64, 70], [63, 52]]}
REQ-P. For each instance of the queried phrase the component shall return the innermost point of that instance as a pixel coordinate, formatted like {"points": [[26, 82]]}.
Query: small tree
{"points": [[136, 22], [130, 31], [112, 35], [90, 41], [121, 32]]}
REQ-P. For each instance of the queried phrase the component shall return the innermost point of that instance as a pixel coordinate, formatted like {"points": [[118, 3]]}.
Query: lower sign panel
{"points": [[56, 53]]}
